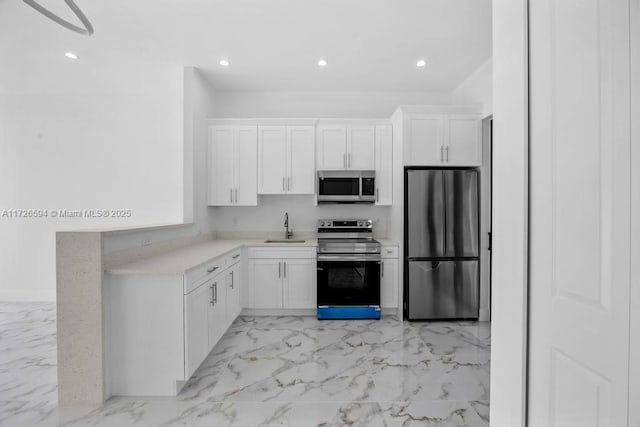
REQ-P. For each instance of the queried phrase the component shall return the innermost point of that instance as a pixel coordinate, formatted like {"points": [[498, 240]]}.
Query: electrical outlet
{"points": [[146, 241]]}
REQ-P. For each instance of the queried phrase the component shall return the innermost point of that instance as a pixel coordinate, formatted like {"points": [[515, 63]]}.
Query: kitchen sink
{"points": [[284, 241]]}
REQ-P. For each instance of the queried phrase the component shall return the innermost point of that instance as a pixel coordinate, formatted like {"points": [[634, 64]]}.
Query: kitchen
{"points": [[148, 105]]}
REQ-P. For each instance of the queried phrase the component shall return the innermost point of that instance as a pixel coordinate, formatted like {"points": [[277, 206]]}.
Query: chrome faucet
{"points": [[288, 233]]}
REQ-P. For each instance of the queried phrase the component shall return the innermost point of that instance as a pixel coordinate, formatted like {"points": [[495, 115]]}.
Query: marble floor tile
{"points": [[273, 371]]}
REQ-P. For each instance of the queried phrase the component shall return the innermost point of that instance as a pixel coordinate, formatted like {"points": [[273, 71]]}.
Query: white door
{"points": [[246, 176], [233, 300], [196, 339], [272, 159], [265, 283], [299, 283], [221, 165], [332, 147], [384, 165], [424, 139], [389, 283], [579, 213], [217, 312], [361, 148], [301, 161], [463, 138]]}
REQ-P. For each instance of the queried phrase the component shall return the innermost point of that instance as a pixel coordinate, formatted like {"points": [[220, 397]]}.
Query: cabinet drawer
{"points": [[233, 257], [389, 252], [201, 274], [271, 252]]}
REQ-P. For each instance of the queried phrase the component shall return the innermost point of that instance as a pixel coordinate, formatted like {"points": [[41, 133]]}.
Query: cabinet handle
{"points": [[232, 280], [236, 195], [235, 256], [279, 269], [285, 269], [215, 293], [289, 184], [349, 160], [382, 269], [211, 289], [377, 194], [231, 195], [212, 269], [447, 151], [344, 161]]}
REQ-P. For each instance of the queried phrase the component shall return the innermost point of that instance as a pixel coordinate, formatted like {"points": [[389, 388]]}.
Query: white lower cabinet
{"points": [[162, 327], [196, 315], [276, 282], [389, 283], [389, 277]]}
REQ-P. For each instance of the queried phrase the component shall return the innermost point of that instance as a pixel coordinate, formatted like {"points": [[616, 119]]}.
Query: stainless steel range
{"points": [[348, 270]]}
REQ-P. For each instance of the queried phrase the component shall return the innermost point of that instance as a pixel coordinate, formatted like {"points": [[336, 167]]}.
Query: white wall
{"points": [[303, 215], [97, 137], [477, 88], [320, 104]]}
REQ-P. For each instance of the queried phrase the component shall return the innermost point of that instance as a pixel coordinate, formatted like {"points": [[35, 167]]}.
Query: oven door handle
{"points": [[342, 258]]}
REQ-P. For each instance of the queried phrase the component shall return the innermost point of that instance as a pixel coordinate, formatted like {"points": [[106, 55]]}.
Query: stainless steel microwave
{"points": [[346, 187]]}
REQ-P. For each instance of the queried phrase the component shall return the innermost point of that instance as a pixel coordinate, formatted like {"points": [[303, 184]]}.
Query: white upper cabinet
{"points": [[332, 147], [286, 163], [433, 139], [346, 147], [233, 166], [424, 139], [361, 147], [384, 165], [463, 140]]}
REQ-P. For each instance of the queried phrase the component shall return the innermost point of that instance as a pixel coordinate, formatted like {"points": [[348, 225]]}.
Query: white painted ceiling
{"points": [[370, 45]]}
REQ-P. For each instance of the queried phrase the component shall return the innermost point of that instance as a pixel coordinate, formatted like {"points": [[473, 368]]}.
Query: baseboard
{"points": [[27, 296], [485, 315], [297, 312]]}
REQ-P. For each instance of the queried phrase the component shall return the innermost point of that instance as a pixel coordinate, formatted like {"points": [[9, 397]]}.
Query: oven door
{"points": [[345, 281]]}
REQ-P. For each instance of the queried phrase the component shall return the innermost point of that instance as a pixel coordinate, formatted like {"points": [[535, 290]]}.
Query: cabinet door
{"points": [[361, 148], [424, 143], [332, 147], [246, 171], [301, 163], [234, 302], [389, 283], [217, 312], [384, 165], [464, 140], [299, 283], [272, 159], [265, 283], [221, 165], [196, 330]]}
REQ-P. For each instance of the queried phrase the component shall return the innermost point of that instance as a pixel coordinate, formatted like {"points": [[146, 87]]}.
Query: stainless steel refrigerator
{"points": [[442, 269]]}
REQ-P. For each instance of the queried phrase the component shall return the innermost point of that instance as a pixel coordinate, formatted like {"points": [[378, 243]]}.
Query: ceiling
{"points": [[370, 45]]}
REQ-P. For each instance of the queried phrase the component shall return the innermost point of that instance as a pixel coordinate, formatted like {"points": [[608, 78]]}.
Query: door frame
{"points": [[509, 275]]}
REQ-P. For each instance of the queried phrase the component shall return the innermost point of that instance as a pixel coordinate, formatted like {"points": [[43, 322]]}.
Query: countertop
{"points": [[185, 259]]}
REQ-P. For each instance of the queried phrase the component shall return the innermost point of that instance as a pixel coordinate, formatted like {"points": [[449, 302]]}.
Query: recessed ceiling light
{"points": [[421, 63], [224, 62], [322, 63], [71, 55]]}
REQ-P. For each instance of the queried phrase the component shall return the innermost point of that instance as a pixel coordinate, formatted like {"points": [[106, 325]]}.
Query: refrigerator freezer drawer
{"points": [[443, 290]]}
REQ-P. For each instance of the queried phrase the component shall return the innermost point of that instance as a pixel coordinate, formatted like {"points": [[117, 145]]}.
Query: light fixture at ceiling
{"points": [[322, 63], [421, 63], [71, 55], [224, 62], [88, 28]]}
